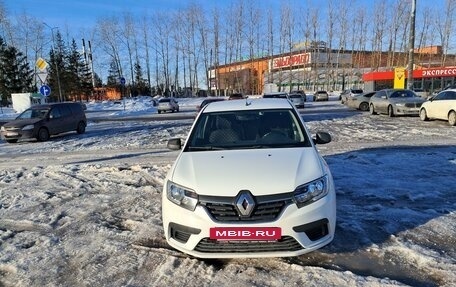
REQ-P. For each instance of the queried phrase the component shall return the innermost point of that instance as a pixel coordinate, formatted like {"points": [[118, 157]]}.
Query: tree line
{"points": [[170, 52]]}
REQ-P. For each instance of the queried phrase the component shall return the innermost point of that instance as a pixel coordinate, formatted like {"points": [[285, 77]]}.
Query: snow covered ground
{"points": [[84, 210]]}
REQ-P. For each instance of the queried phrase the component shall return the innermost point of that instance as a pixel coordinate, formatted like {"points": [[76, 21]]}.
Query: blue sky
{"points": [[84, 12]]}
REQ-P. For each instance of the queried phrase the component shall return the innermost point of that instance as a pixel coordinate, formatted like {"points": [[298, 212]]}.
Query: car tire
{"points": [[159, 112], [81, 127], [11, 141], [372, 110], [452, 118], [43, 135], [423, 115], [390, 111], [364, 106]]}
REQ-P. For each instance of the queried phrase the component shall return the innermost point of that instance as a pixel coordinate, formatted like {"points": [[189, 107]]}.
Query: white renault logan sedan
{"points": [[249, 182]]}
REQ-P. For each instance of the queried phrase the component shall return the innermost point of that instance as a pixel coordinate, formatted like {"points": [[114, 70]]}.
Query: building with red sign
{"points": [[324, 69]]}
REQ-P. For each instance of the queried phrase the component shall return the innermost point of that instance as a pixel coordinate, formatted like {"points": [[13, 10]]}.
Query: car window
{"points": [[357, 91], [65, 111], [247, 130], [33, 114], [402, 94], [451, 95], [55, 113], [164, 100]]}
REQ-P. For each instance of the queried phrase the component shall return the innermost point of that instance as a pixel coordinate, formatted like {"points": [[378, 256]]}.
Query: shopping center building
{"points": [[333, 70]]}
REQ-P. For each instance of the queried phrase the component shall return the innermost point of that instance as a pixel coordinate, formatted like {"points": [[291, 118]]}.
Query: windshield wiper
{"points": [[202, 148]]}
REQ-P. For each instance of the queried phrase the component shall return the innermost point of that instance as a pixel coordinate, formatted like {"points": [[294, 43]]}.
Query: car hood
{"points": [[407, 100], [19, 123], [261, 171]]}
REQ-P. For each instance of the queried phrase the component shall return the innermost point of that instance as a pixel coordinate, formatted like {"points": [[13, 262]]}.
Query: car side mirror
{"points": [[322, 138], [174, 144]]}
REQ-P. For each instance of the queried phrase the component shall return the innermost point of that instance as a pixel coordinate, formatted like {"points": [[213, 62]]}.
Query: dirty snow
{"points": [[84, 210]]}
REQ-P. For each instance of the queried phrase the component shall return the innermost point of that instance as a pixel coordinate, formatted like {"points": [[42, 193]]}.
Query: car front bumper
{"points": [[17, 134], [302, 229], [406, 111]]}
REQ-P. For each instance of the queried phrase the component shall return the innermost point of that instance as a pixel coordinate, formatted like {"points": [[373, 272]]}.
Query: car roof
{"points": [[248, 104], [49, 105]]}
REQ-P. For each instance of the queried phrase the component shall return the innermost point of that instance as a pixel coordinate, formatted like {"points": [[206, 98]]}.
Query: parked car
{"points": [[348, 93], [236, 96], [297, 99], [395, 102], [300, 92], [167, 105], [249, 182], [422, 93], [320, 96], [43, 121], [208, 101], [441, 106], [279, 95], [360, 102]]}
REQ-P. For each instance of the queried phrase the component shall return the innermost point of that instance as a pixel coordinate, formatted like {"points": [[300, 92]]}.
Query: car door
{"points": [[380, 102], [54, 124], [442, 106]]}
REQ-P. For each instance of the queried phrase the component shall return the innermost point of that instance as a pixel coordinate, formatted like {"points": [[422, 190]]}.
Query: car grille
{"points": [[286, 243], [263, 211], [413, 105]]}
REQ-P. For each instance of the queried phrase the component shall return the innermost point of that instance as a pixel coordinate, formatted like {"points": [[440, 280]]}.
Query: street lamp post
{"points": [[56, 64]]}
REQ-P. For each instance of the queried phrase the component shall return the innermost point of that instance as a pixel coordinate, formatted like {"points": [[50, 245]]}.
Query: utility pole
{"points": [[56, 64], [411, 47]]}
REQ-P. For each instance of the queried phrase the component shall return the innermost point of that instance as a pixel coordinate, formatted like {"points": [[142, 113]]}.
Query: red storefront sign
{"points": [[294, 60], [417, 74], [439, 72]]}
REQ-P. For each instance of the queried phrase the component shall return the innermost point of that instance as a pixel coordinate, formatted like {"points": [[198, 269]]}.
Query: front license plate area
{"points": [[246, 233]]}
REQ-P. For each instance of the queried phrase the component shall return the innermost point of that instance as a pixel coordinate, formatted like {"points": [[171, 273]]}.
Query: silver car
{"points": [[167, 104], [320, 96], [360, 102], [349, 93], [395, 102], [297, 99]]}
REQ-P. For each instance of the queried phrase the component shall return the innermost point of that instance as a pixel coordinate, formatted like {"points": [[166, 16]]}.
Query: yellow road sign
{"points": [[399, 78], [41, 64]]}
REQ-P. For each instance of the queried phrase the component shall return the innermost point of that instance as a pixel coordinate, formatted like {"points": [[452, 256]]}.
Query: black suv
{"points": [[42, 121]]}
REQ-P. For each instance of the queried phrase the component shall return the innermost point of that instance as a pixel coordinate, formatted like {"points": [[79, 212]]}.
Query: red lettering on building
{"points": [[439, 72], [294, 60]]}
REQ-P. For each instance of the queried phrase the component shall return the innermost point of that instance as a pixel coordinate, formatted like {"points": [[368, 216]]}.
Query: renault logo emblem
{"points": [[245, 203]]}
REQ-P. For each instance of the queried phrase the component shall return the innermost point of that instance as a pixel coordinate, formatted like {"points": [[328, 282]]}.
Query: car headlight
{"points": [[28, 127], [181, 196], [2, 129], [310, 192], [399, 104]]}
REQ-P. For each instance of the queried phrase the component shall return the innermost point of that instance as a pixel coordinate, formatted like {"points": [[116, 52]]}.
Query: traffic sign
{"points": [[45, 90], [42, 76], [41, 64]]}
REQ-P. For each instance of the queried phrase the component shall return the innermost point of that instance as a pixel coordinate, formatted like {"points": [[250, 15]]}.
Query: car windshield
{"points": [[274, 96], [357, 91], [402, 94], [252, 129], [295, 96], [164, 101], [33, 114]]}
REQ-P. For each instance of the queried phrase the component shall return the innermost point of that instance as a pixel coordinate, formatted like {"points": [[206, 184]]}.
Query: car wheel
{"points": [[159, 112], [390, 111], [11, 141], [43, 135], [364, 106], [452, 118], [423, 115], [81, 128], [372, 110]]}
